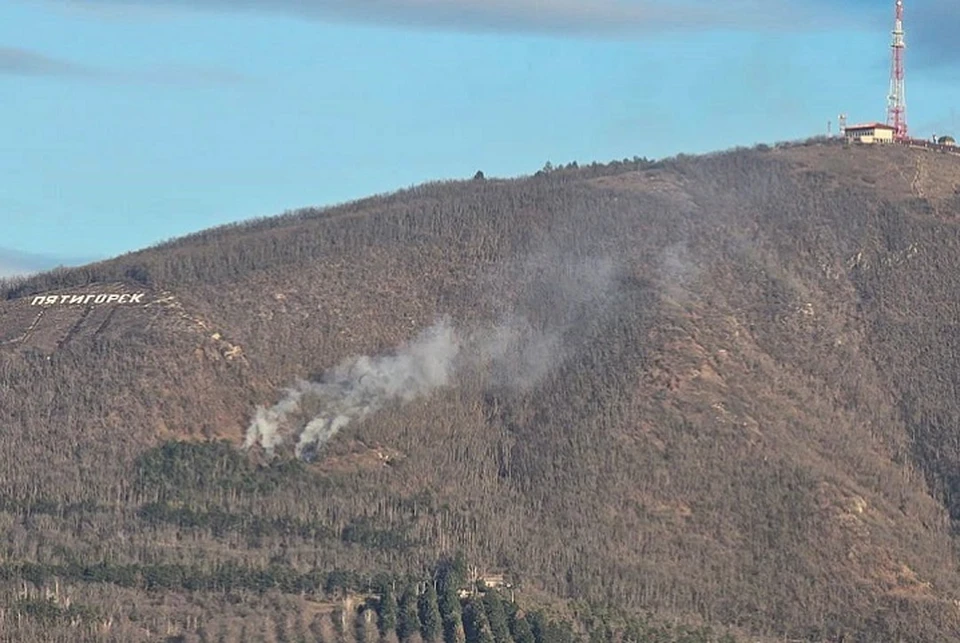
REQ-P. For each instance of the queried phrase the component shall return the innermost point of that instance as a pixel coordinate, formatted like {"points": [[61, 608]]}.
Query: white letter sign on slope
{"points": [[99, 298]]}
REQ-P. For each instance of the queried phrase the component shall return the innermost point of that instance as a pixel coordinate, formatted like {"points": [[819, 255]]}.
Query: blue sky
{"points": [[126, 122]]}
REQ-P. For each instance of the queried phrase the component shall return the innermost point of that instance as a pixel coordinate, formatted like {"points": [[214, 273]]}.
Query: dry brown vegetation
{"points": [[750, 422]]}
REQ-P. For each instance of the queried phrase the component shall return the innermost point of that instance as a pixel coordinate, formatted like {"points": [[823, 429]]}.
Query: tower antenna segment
{"points": [[896, 101]]}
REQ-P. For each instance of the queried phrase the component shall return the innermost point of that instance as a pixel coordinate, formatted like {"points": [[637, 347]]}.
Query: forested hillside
{"points": [[698, 399]]}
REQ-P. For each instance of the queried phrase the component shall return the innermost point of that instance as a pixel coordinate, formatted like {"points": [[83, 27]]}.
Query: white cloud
{"points": [[23, 62], [614, 18], [17, 61], [14, 263]]}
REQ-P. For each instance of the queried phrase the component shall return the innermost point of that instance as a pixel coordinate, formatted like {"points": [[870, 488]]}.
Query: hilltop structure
{"points": [[895, 129], [896, 99], [870, 133]]}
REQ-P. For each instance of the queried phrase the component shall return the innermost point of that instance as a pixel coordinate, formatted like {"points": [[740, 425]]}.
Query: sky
{"points": [[127, 122]]}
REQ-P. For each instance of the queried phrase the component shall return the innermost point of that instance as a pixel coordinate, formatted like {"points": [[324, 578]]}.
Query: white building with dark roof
{"points": [[869, 133]]}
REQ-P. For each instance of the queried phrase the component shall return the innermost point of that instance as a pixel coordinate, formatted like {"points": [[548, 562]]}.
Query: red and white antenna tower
{"points": [[896, 101]]}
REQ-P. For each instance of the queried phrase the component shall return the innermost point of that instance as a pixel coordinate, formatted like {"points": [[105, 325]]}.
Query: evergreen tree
{"points": [[430, 621], [475, 624], [520, 629], [449, 603], [387, 611], [497, 617], [538, 623], [408, 621], [451, 614], [452, 572]]}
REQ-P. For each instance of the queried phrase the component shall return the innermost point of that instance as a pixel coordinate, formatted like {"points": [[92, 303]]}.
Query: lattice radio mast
{"points": [[896, 101]]}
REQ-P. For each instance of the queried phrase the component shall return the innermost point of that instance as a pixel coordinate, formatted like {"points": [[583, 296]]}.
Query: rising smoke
{"points": [[358, 387], [529, 339]]}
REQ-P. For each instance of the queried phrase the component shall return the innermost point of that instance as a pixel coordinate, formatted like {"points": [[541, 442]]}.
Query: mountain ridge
{"points": [[700, 372]]}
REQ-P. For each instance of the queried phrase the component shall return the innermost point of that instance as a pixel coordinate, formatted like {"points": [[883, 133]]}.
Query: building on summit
{"points": [[869, 133]]}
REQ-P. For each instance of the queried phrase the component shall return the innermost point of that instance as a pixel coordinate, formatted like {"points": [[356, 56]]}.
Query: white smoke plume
{"points": [[514, 353], [358, 387], [266, 422], [517, 352]]}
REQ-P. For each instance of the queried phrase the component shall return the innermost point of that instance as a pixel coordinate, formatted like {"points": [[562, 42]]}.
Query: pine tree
{"points": [[387, 611], [497, 617], [449, 602], [521, 630], [408, 622], [537, 626], [475, 624], [451, 614], [452, 572], [430, 621]]}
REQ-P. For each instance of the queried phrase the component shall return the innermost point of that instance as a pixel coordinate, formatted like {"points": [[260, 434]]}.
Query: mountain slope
{"points": [[719, 388]]}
